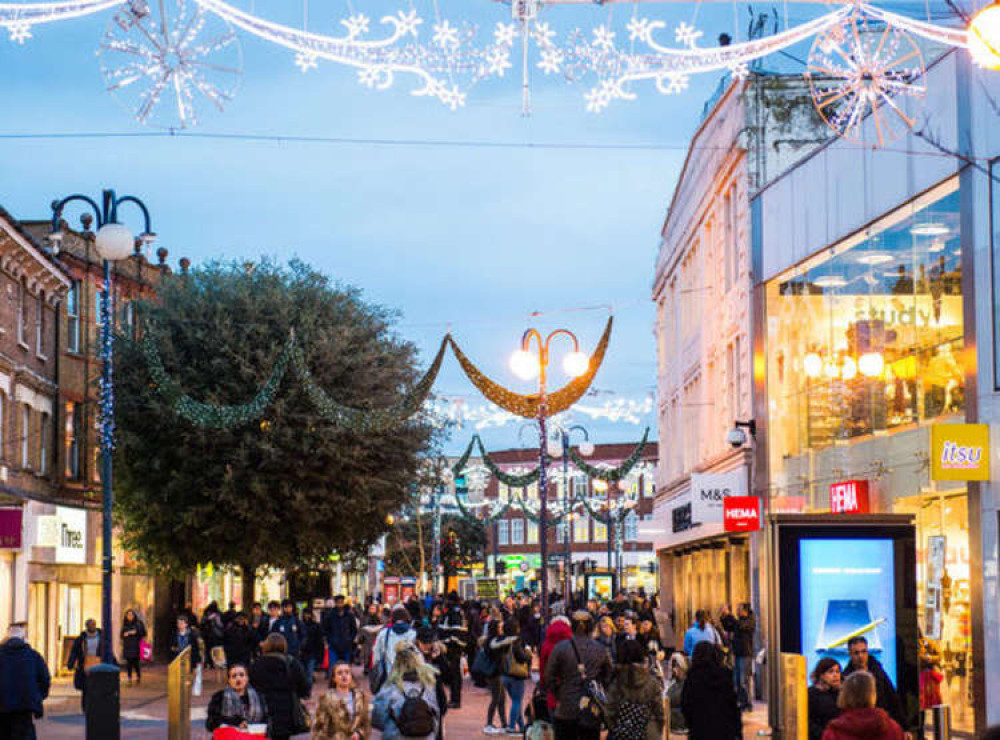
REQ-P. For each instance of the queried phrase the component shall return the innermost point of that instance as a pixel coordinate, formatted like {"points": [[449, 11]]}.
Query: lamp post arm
{"points": [[142, 207], [58, 206]]}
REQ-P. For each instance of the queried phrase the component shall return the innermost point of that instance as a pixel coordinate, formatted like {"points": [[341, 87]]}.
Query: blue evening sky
{"points": [[474, 238]]}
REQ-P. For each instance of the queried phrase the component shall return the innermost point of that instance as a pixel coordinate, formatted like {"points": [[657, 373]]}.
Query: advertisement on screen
{"points": [[847, 589]]}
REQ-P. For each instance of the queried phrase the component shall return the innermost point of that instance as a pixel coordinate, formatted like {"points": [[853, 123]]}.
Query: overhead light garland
{"points": [[613, 474]]}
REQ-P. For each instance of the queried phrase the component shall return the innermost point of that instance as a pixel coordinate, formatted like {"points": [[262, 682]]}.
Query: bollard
{"points": [[941, 722], [103, 702]]}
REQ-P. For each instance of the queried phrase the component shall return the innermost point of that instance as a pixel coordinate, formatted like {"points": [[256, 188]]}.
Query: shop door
{"points": [[38, 621]]}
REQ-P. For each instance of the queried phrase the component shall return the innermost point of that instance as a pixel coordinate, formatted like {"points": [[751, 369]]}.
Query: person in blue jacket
{"points": [[289, 626], [24, 685]]}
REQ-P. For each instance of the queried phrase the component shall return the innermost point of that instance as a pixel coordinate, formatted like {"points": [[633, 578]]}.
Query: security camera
{"points": [[736, 437]]}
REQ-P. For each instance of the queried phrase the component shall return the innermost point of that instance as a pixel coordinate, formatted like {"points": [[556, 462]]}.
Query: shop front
{"points": [[865, 368]]}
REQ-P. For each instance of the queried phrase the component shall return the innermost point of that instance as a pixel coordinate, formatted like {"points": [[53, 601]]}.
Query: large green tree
{"points": [[288, 489]]}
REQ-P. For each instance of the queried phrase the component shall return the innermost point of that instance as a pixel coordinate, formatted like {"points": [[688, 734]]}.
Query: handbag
{"points": [[594, 699], [145, 651], [484, 664], [301, 719], [514, 669]]}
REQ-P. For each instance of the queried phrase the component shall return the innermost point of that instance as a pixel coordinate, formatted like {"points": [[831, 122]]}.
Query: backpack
{"points": [[416, 717], [633, 718]]}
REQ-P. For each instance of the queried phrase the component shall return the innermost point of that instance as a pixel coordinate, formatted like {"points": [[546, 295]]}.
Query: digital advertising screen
{"points": [[847, 589]]}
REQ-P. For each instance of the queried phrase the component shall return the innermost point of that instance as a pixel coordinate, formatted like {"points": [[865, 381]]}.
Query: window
{"points": [[561, 531], [40, 327], [74, 423], [579, 487], [73, 317], [22, 315], [25, 436], [2, 439], [600, 531], [531, 492], [43, 445], [581, 529], [631, 527], [517, 531], [729, 246], [503, 492], [532, 533], [97, 306], [502, 538]]}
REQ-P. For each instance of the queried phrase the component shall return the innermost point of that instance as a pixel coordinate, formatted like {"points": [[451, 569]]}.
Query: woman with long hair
{"points": [[411, 683], [607, 635], [677, 668], [132, 633], [498, 700], [708, 699], [342, 712], [635, 697], [860, 719], [823, 696], [515, 667], [558, 631], [281, 681], [238, 705]]}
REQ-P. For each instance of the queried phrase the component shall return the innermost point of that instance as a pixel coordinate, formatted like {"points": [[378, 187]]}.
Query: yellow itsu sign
{"points": [[960, 452]]}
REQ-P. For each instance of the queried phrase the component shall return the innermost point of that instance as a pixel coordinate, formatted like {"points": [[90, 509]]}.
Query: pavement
{"points": [[144, 710]]}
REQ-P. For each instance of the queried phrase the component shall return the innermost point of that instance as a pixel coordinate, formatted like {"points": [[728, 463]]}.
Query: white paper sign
{"points": [[709, 489], [71, 546]]}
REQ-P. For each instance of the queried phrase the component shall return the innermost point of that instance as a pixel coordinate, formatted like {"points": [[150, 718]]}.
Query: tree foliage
{"points": [[461, 550], [290, 489]]}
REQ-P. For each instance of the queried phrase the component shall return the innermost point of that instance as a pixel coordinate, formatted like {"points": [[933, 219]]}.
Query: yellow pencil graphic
{"points": [[856, 633]]}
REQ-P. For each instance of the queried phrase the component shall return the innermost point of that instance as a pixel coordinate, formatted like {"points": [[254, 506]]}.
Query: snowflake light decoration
{"points": [[687, 35], [305, 61], [164, 67], [20, 31], [857, 72]]}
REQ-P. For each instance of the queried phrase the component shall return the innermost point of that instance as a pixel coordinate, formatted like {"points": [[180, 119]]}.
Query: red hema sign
{"points": [[849, 497], [741, 513]]}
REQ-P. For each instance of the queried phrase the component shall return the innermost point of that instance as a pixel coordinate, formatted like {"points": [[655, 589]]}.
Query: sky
{"points": [[559, 213]]}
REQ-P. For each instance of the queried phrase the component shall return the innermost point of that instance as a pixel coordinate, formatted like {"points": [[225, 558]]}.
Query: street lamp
{"points": [[113, 241], [528, 366], [586, 449]]}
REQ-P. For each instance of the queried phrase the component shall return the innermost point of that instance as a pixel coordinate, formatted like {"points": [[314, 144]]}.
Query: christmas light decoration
{"points": [[18, 19], [163, 64], [610, 475], [857, 72]]}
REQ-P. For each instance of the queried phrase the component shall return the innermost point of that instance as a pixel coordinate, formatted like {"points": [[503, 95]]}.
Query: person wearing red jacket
{"points": [[860, 719], [558, 631]]}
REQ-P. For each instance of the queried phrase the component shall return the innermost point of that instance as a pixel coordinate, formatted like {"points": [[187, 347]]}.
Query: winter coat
{"points": [[239, 642], [885, 693], [77, 659], [291, 628], [388, 639], [131, 634], [281, 682], [709, 704], [743, 636], [696, 634], [863, 724], [675, 690], [389, 701], [194, 640], [610, 644], [635, 684], [563, 677], [531, 631], [340, 627], [930, 688], [24, 678], [312, 643], [557, 632], [499, 647], [822, 708], [334, 721]]}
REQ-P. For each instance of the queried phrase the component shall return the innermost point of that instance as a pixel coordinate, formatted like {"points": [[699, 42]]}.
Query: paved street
{"points": [[144, 710]]}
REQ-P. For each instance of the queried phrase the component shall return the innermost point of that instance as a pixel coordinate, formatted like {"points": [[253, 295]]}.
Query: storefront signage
{"points": [[708, 490], [741, 514], [66, 531], [960, 452], [10, 529], [390, 589], [681, 518], [487, 588], [849, 497]]}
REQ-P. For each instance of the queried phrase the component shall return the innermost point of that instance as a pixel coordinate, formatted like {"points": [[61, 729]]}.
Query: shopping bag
{"points": [[196, 686], [326, 660], [233, 733], [145, 651]]}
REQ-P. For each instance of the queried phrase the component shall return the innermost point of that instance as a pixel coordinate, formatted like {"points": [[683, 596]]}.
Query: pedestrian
{"points": [[212, 632], [635, 698], [677, 668], [650, 640], [860, 719], [564, 678], [86, 652], [229, 615], [885, 693], [434, 654], [132, 633], [24, 685], [406, 706], [515, 669], [186, 636], [930, 687], [708, 699], [384, 652], [239, 641], [289, 626], [238, 704], [279, 679], [701, 631], [313, 647], [743, 652], [607, 636], [271, 619], [823, 696], [494, 679], [340, 627], [455, 637], [342, 712], [371, 626]]}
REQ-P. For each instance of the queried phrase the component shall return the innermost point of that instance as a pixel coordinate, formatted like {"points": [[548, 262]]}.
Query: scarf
{"points": [[232, 706]]}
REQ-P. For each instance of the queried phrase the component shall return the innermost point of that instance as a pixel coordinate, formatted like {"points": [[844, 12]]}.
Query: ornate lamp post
{"points": [[114, 241], [527, 365]]}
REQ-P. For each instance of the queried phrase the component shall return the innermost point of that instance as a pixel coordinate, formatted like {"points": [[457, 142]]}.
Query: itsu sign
{"points": [[741, 514], [849, 497]]}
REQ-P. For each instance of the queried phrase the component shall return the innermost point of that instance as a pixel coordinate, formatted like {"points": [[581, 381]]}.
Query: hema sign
{"points": [[709, 490]]}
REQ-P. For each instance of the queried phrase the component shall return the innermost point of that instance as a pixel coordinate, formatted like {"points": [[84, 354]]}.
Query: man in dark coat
{"points": [[312, 645], [86, 651], [239, 641], [885, 693], [743, 654], [434, 655], [455, 638], [186, 636], [289, 626], [24, 685], [340, 627], [563, 678]]}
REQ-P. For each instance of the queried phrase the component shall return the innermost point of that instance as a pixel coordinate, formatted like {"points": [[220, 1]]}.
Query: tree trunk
{"points": [[420, 549], [248, 577]]}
